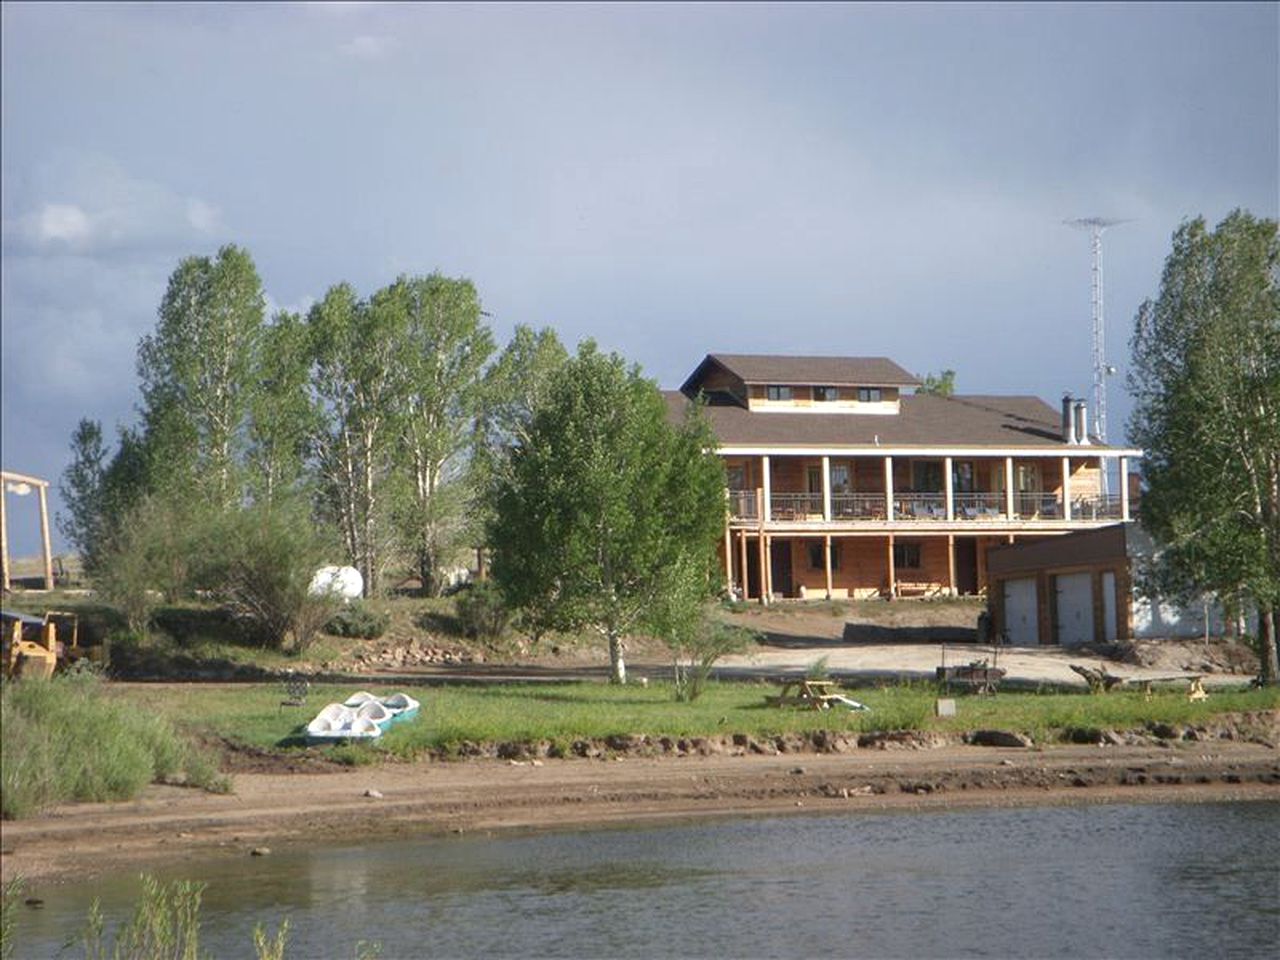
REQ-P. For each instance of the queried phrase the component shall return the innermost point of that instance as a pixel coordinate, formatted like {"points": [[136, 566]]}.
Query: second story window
{"points": [[868, 394], [775, 392], [826, 394]]}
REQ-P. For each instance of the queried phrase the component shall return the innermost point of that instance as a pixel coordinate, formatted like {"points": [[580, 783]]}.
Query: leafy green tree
{"points": [[603, 498], [1206, 381], [446, 346], [197, 368], [940, 385], [356, 382], [82, 493], [516, 383], [281, 415]]}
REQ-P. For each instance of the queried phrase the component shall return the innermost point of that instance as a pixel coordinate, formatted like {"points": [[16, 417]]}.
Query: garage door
{"points": [[1109, 626], [1075, 609], [1020, 612]]}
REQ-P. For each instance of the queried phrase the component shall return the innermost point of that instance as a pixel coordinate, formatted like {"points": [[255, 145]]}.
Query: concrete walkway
{"points": [[1027, 667]]}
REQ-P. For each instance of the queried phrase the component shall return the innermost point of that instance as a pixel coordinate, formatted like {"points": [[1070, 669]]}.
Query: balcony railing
{"points": [[742, 504], [919, 506], [1037, 506], [1097, 508], [857, 506], [795, 506], [980, 506], [923, 507]]}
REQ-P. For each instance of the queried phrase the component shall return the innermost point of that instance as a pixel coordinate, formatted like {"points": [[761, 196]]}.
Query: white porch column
{"points": [[768, 489], [1066, 488], [888, 487], [1008, 487], [950, 488], [1124, 489], [826, 494]]}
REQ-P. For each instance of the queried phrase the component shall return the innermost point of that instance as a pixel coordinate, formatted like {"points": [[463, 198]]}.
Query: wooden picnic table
{"points": [[814, 694]]}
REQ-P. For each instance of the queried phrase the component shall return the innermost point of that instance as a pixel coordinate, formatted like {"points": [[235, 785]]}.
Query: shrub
{"points": [[482, 612], [149, 558], [359, 621], [259, 564], [66, 739]]}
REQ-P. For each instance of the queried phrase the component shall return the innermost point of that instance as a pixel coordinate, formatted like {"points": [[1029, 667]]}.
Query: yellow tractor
{"points": [[31, 645]]}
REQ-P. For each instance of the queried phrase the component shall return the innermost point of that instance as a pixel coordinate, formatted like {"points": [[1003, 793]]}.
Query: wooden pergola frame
{"points": [[42, 489]]}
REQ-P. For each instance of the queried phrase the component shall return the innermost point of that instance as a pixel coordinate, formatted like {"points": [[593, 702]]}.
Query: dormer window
{"points": [[825, 394], [868, 394], [776, 392]]}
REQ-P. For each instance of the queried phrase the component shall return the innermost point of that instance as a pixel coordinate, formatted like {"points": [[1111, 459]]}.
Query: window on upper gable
{"points": [[776, 392], [869, 394], [826, 394]]}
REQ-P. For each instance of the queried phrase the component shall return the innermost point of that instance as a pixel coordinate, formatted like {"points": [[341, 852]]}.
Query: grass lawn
{"points": [[451, 715]]}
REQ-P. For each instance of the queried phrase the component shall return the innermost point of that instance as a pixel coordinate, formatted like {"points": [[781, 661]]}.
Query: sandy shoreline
{"points": [[279, 810]]}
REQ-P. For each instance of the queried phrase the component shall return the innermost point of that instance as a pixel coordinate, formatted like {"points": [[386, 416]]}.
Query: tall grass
{"points": [[66, 739], [165, 925]]}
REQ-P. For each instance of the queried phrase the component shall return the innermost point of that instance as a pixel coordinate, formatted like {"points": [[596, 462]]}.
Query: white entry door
{"points": [[1020, 621], [1075, 609]]}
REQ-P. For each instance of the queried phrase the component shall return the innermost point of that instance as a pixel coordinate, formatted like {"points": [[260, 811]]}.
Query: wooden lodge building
{"points": [[841, 483]]}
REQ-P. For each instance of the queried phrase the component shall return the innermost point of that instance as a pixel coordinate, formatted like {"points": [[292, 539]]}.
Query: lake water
{"points": [[1091, 881]]}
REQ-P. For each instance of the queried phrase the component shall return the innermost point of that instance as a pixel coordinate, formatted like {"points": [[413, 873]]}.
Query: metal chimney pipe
{"points": [[1068, 420], [1082, 422]]}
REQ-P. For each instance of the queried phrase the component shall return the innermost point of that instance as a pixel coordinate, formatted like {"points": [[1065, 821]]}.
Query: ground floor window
{"points": [[906, 556], [816, 561]]}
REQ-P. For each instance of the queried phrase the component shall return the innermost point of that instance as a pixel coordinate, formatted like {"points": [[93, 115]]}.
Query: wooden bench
{"points": [[1101, 681], [916, 588], [1195, 685]]}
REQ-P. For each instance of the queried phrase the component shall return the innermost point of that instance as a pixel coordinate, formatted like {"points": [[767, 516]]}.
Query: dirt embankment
{"points": [[631, 780]]}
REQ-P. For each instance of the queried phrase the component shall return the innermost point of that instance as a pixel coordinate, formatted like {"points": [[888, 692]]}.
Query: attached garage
{"points": [[1054, 591], [1080, 588]]}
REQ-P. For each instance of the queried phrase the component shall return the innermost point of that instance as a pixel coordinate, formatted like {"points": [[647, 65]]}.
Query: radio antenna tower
{"points": [[1101, 370]]}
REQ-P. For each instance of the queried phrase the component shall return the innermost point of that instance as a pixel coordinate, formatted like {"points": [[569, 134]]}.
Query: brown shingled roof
{"points": [[825, 371], [924, 420]]}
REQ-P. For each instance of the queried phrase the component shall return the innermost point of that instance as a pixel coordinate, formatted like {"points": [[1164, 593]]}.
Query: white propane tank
{"points": [[344, 582]]}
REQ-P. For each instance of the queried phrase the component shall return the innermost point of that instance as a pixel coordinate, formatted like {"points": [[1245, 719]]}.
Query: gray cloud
{"points": [[667, 179]]}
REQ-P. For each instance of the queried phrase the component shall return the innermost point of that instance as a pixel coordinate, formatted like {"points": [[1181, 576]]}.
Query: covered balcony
{"points": [[921, 491]]}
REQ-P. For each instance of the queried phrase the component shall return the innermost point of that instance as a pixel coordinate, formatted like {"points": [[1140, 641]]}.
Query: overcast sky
{"points": [[670, 180]]}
